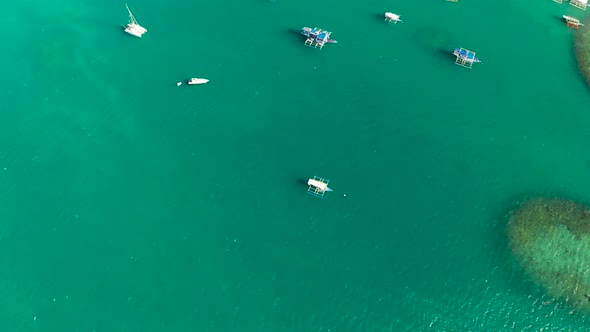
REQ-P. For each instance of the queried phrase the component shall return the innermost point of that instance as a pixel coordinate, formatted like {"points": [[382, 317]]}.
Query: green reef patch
{"points": [[582, 47], [551, 240]]}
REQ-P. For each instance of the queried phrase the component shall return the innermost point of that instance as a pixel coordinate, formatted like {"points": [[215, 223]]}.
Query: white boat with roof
{"points": [[393, 18], [318, 186], [133, 28], [193, 81], [572, 20]]}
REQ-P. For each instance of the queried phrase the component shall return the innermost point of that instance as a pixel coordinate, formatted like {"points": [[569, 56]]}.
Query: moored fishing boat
{"points": [[572, 22], [317, 37], [465, 58]]}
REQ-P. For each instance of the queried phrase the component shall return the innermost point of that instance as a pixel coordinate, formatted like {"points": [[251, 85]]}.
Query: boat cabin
{"points": [[582, 4], [392, 18], [318, 186], [465, 58]]}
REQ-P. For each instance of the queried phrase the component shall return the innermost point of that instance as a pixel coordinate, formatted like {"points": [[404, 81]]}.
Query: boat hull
{"points": [[135, 30], [194, 81], [393, 17], [135, 34]]}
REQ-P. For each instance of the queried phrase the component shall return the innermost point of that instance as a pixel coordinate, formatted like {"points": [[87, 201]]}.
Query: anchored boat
{"points": [[318, 186], [465, 58], [582, 4], [569, 18], [572, 22], [133, 28], [317, 37], [193, 81], [393, 18]]}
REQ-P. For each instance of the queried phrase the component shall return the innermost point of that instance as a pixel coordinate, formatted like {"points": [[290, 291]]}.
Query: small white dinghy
{"points": [[193, 81]]}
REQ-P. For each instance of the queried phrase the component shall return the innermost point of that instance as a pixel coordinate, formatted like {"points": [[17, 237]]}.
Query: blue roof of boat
{"points": [[465, 53]]}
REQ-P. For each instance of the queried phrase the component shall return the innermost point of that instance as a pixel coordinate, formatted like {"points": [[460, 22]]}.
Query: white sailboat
{"points": [[133, 28]]}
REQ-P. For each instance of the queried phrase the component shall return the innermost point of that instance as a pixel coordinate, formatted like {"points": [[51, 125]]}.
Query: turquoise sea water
{"points": [[131, 204]]}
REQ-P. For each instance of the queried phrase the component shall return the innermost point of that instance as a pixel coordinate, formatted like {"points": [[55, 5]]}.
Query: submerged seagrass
{"points": [[582, 46], [551, 240]]}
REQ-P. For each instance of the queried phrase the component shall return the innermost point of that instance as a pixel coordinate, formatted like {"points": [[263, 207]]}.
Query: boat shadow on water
{"points": [[120, 28], [446, 54], [301, 181], [381, 17], [560, 19], [295, 34]]}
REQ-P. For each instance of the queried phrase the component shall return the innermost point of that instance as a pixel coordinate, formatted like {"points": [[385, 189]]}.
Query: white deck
{"points": [[135, 30], [197, 81], [391, 16], [318, 184]]}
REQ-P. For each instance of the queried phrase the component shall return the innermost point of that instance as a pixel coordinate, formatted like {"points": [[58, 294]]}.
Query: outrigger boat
{"points": [[317, 37], [465, 58], [193, 81], [572, 21], [133, 28], [318, 186], [393, 18]]}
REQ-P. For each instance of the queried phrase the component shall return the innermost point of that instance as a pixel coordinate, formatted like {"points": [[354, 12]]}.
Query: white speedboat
{"points": [[133, 28], [197, 81]]}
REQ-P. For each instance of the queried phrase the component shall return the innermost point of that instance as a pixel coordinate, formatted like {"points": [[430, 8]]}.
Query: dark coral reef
{"points": [[582, 46], [551, 240]]}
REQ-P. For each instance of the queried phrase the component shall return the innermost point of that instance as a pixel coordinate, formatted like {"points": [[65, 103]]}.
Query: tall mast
{"points": [[131, 15]]}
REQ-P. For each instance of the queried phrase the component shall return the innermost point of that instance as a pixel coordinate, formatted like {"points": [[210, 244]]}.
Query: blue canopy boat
{"points": [[465, 58], [317, 37], [466, 55]]}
